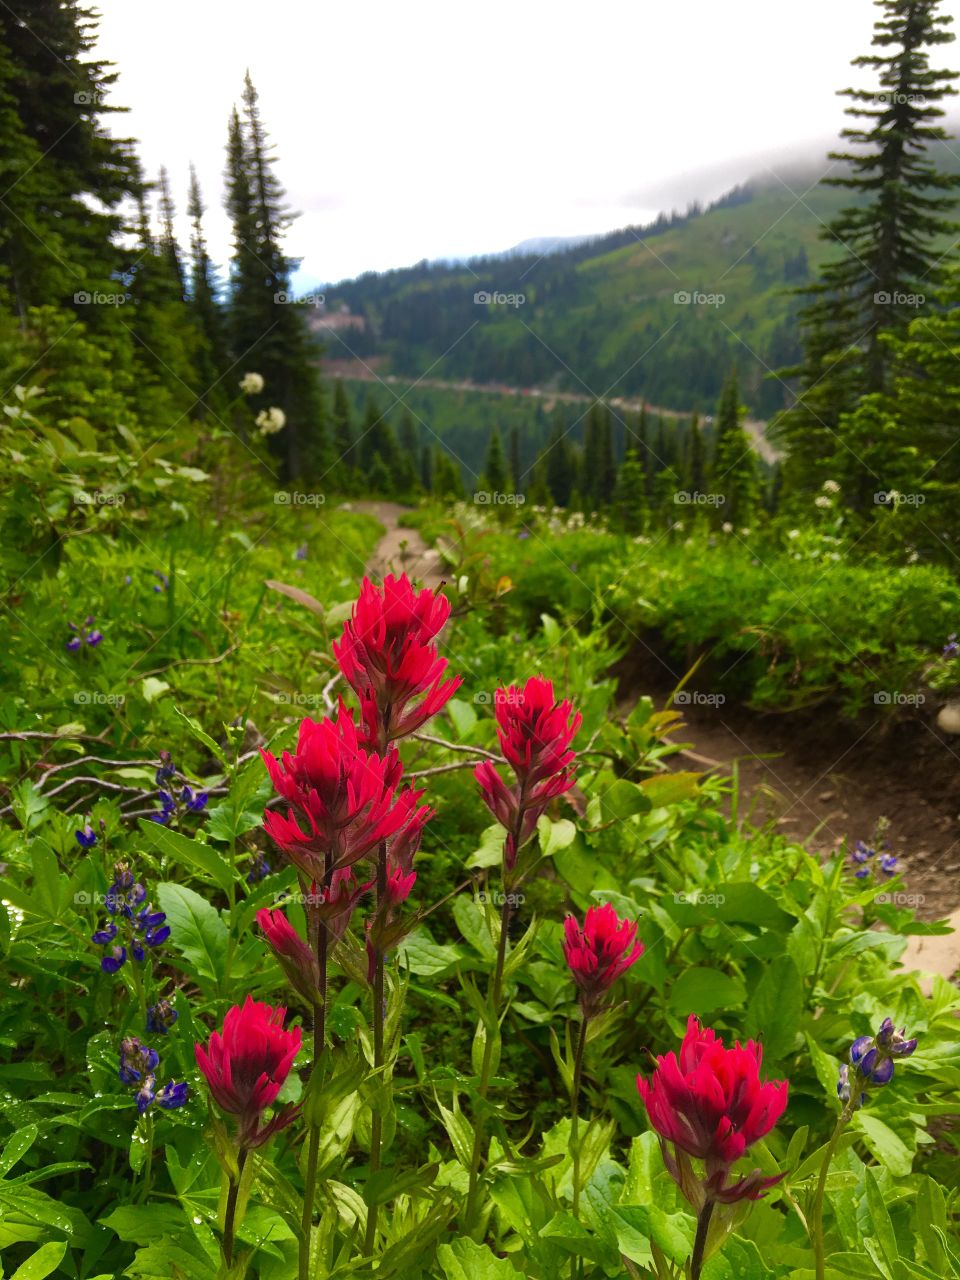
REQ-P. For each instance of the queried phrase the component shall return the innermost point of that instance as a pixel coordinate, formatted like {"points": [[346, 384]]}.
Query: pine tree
{"points": [[447, 480], [517, 478], [343, 446], [559, 470], [889, 243], [606, 466], [495, 468], [733, 470], [169, 248], [630, 496], [695, 476], [211, 357], [269, 332]]}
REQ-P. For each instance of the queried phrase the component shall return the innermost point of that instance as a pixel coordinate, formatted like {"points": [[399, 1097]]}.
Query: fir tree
{"points": [[495, 468], [203, 295], [517, 478], [559, 471], [343, 446], [889, 243], [733, 470], [630, 495], [696, 469]]}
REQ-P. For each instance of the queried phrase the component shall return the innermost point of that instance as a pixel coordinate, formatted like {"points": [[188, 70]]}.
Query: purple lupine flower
{"points": [[142, 926], [888, 864], [172, 1095], [114, 961], [136, 1060], [161, 1017], [301, 552], [872, 1059], [168, 809], [259, 871], [196, 802], [164, 582], [952, 647], [73, 644], [93, 638], [86, 836]]}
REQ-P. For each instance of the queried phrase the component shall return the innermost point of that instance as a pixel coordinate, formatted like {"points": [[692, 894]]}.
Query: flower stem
{"points": [[322, 941], [700, 1240], [376, 1123], [816, 1212], [575, 1112], [479, 1128], [231, 1211]]}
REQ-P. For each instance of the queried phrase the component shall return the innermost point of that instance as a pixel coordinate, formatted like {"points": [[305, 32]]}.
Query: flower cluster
{"points": [[271, 420], [872, 1059], [91, 638], [138, 1065], [710, 1104], [161, 1017], [599, 953], [85, 836], [862, 858], [245, 1066], [535, 732], [388, 657], [952, 647], [344, 800], [134, 923], [251, 384], [174, 798]]}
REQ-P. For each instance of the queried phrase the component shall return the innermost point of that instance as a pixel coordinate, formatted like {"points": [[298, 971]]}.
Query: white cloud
{"points": [[433, 129]]}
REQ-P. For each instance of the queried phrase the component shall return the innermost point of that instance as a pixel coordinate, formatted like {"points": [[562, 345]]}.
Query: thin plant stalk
{"points": [[700, 1240], [816, 1212], [321, 943], [575, 1112], [231, 1211], [376, 1121]]}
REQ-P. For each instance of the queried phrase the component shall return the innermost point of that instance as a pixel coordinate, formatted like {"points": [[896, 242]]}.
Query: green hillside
{"points": [[602, 318]]}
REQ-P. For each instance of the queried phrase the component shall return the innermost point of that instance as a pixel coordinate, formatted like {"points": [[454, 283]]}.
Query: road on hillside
{"points": [[358, 371]]}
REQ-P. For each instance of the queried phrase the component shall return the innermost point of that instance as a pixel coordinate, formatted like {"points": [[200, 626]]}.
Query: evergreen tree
{"points": [[889, 243], [269, 332], [606, 466], [517, 478], [630, 496], [495, 468], [733, 471], [696, 469], [426, 469], [169, 248], [447, 480], [211, 358], [559, 467], [343, 446]]}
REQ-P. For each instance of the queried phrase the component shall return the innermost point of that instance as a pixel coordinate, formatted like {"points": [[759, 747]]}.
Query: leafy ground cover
{"points": [[436, 1138]]}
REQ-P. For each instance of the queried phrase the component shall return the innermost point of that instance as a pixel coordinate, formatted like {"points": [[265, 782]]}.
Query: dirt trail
{"points": [[819, 790], [400, 550]]}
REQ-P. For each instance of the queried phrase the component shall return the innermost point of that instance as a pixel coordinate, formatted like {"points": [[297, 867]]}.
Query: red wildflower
{"points": [[345, 799], [535, 733], [601, 952], [335, 907], [712, 1105], [246, 1065], [296, 958], [387, 655]]}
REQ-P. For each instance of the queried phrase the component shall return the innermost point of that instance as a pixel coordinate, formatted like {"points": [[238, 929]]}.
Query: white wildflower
{"points": [[744, 533], [251, 384], [823, 502], [793, 533], [830, 486], [271, 420], [727, 527]]}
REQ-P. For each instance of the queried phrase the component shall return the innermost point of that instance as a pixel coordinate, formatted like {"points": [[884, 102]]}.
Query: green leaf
{"points": [[490, 853], [459, 1130], [740, 1260], [188, 853], [388, 1184], [880, 1221], [462, 716], [622, 800], [636, 1224], [45, 1261], [426, 958], [196, 929], [826, 1067], [17, 1147], [472, 923], [738, 902], [883, 1144], [152, 688], [671, 788], [775, 1007], [555, 836], [464, 1259], [700, 990]]}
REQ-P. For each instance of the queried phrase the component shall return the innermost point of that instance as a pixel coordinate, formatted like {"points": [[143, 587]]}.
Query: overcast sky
{"points": [[441, 129]]}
